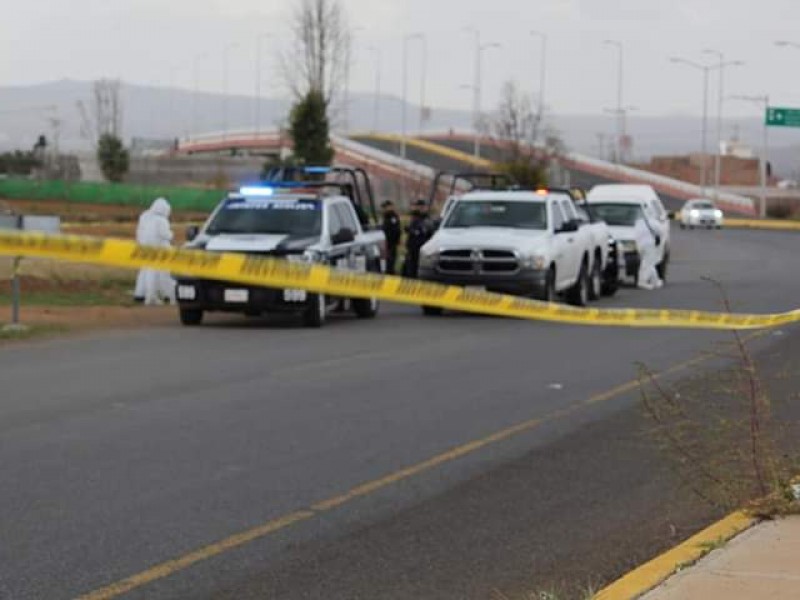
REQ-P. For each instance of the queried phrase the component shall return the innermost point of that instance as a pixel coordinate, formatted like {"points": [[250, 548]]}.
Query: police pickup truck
{"points": [[313, 222], [517, 242]]}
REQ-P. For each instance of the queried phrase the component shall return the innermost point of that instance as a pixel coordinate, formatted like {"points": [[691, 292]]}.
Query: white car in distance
{"points": [[700, 213]]}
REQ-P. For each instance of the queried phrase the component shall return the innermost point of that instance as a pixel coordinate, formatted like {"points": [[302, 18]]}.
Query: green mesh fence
{"points": [[108, 193]]}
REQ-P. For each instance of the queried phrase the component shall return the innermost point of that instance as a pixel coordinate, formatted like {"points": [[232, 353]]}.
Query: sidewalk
{"points": [[763, 562]]}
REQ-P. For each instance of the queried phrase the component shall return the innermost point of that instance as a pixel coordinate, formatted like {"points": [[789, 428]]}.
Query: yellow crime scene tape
{"points": [[280, 273]]}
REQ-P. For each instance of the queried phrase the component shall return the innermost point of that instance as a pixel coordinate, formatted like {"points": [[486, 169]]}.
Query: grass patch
{"points": [[30, 332], [62, 299], [67, 292]]}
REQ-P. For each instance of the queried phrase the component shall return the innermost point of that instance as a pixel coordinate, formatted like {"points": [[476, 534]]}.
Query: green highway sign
{"points": [[783, 117]]}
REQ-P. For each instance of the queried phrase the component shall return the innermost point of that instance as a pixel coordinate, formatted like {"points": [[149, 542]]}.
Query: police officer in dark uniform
{"points": [[393, 232], [419, 231]]}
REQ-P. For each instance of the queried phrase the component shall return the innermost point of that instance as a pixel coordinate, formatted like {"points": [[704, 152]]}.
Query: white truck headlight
{"points": [[427, 257], [535, 261]]}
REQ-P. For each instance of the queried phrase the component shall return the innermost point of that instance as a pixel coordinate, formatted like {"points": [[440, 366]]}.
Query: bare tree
{"points": [[528, 146], [517, 124], [320, 55], [104, 115]]}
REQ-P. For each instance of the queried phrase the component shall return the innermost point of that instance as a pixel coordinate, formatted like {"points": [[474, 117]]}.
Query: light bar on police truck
{"points": [[261, 192]]}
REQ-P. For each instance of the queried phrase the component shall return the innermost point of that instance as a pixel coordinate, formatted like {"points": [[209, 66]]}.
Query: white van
{"points": [[637, 219]]}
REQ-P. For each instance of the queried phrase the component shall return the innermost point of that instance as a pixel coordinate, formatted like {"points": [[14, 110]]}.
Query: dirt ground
{"points": [[70, 319], [71, 212]]}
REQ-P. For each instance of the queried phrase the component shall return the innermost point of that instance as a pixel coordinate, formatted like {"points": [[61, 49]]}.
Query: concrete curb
{"points": [[646, 577]]}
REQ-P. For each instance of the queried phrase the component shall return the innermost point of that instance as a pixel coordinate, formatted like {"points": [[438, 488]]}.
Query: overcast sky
{"points": [[152, 41]]}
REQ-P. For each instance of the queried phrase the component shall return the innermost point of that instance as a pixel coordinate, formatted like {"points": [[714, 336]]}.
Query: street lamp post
{"points": [[761, 101], [706, 69], [347, 69], [225, 61], [622, 118], [480, 48], [620, 80], [424, 76], [404, 110], [376, 108], [720, 104], [195, 85], [542, 69], [259, 70]]}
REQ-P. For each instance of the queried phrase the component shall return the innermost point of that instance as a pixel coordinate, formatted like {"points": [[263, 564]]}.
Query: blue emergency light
{"points": [[259, 192]]}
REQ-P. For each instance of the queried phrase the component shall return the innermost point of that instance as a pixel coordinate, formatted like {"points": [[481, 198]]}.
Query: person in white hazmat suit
{"points": [[648, 273], [153, 229]]}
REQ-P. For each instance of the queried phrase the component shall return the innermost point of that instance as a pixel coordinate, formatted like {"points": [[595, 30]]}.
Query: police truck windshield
{"points": [[293, 217], [518, 215]]}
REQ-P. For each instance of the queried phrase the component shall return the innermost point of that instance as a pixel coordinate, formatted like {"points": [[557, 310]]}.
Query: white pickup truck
{"points": [[525, 243]]}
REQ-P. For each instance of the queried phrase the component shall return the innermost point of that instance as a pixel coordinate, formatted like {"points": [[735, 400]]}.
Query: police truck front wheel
{"points": [[365, 309], [316, 312], [191, 317]]}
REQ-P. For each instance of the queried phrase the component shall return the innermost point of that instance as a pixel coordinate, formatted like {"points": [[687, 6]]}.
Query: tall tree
{"points": [[320, 55], [113, 157], [309, 128], [101, 123]]}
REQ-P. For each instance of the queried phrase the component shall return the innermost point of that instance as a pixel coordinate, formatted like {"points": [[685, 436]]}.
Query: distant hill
{"points": [[161, 113]]}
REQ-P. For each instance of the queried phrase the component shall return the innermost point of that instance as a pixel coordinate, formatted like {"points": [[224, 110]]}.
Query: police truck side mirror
{"points": [[343, 236], [191, 232]]}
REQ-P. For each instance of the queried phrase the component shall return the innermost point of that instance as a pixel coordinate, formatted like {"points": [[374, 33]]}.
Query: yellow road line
{"points": [[171, 567], [649, 575]]}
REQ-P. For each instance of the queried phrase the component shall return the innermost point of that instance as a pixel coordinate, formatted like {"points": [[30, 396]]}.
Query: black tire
{"points": [[683, 226], [365, 309], [316, 313], [191, 317], [663, 267], [610, 287], [596, 280], [432, 311], [578, 294], [548, 294]]}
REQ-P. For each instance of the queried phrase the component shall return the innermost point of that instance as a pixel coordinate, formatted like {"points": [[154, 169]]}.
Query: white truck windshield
{"points": [[619, 215], [294, 217], [497, 213]]}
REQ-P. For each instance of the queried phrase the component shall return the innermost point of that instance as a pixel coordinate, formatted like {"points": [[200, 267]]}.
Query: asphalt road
{"points": [[123, 450], [582, 179]]}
